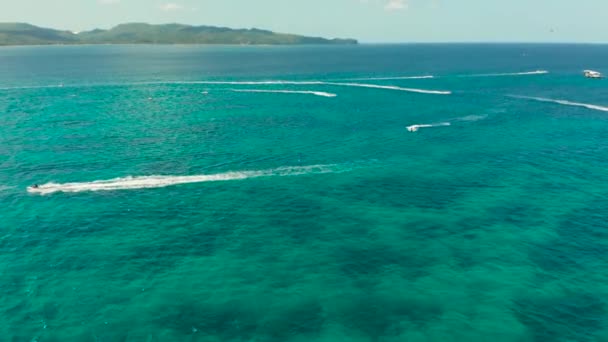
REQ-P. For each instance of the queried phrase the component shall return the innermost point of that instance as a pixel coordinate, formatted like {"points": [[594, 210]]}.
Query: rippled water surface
{"points": [[367, 193]]}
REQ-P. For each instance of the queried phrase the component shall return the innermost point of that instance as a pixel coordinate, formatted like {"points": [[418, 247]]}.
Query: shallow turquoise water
{"points": [[324, 219]]}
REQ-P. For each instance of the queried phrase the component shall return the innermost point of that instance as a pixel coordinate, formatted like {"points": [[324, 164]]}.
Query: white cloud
{"points": [[171, 6], [108, 2], [395, 5]]}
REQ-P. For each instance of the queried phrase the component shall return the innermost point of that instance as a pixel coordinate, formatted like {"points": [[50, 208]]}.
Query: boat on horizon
{"points": [[592, 74]]}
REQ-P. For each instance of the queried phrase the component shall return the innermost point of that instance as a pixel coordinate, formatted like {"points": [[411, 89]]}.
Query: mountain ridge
{"points": [[143, 33]]}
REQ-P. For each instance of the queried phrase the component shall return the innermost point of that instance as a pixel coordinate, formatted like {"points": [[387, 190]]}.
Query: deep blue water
{"points": [[275, 194]]}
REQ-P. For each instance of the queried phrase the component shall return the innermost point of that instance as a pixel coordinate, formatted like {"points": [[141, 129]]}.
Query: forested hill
{"points": [[139, 33]]}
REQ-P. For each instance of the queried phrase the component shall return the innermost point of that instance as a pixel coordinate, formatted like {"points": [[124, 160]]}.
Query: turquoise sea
{"points": [[275, 193]]}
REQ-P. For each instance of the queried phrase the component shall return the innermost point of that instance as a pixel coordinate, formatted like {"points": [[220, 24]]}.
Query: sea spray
{"points": [[302, 92], [148, 182], [389, 78], [525, 73], [562, 102], [415, 128], [390, 87], [243, 83]]}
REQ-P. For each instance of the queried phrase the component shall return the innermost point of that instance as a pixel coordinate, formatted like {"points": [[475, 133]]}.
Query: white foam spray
{"points": [[563, 102], [390, 87], [389, 78], [304, 92], [149, 182], [252, 83], [415, 128], [525, 73], [339, 84]]}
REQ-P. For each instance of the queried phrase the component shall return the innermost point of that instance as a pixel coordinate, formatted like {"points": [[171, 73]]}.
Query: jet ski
{"points": [[33, 188]]}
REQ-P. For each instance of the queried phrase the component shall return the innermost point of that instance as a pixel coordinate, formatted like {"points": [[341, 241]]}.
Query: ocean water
{"points": [[304, 193]]}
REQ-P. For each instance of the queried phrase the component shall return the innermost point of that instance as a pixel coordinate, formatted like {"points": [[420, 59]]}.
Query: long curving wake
{"points": [[246, 83], [303, 92], [562, 102], [338, 84], [149, 182]]}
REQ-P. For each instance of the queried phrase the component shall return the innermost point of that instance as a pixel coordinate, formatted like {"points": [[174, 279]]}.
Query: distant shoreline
{"points": [[23, 34], [310, 45], [193, 45]]}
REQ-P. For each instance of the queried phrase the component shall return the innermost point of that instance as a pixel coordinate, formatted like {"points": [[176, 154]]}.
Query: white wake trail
{"points": [[247, 83], [562, 102], [339, 84], [149, 182], [389, 87], [389, 78], [525, 73], [415, 128], [303, 92]]}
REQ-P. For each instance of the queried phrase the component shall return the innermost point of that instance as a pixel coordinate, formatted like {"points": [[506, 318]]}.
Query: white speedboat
{"points": [[592, 74]]}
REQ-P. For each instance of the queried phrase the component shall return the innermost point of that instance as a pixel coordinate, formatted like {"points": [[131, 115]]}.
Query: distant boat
{"points": [[592, 74]]}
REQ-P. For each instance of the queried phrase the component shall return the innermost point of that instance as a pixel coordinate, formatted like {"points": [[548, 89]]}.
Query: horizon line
{"points": [[360, 42], [309, 45]]}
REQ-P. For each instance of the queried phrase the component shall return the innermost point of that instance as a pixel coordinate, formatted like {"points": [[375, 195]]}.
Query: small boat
{"points": [[592, 74]]}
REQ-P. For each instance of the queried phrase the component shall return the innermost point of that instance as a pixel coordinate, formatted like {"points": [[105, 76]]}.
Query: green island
{"points": [[141, 33]]}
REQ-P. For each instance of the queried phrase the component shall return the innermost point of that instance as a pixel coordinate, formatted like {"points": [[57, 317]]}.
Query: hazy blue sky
{"points": [[367, 20]]}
